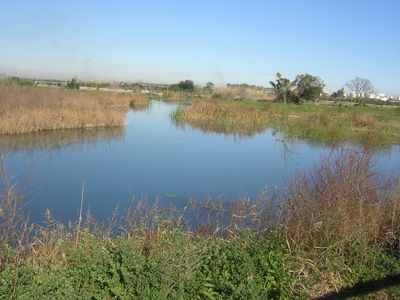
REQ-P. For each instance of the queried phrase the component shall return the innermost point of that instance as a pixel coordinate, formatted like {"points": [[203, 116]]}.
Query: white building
{"points": [[379, 96]]}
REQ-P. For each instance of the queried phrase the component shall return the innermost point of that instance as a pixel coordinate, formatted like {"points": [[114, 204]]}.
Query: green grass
{"points": [[332, 125], [161, 265]]}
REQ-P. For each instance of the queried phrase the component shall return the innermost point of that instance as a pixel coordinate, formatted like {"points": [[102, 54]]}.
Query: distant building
{"points": [[379, 96], [49, 83]]}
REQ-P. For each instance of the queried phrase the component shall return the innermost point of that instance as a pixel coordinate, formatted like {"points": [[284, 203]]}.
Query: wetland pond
{"points": [[152, 159]]}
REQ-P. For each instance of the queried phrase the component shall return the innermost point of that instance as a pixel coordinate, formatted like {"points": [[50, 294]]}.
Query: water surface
{"points": [[153, 159]]}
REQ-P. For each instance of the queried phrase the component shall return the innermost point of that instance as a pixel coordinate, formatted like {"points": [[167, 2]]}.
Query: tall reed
{"points": [[13, 221], [221, 116], [342, 201], [29, 109]]}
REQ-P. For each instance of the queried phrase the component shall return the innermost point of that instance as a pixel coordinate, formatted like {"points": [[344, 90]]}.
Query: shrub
{"points": [[340, 201]]}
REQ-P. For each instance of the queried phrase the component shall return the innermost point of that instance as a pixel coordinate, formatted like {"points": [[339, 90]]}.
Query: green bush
{"points": [[173, 265], [248, 267]]}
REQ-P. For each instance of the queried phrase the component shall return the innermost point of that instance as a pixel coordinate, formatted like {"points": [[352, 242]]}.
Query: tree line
{"points": [[306, 87]]}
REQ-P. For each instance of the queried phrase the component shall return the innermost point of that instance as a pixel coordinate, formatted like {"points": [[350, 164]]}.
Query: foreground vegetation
{"points": [[337, 234], [33, 109], [330, 124]]}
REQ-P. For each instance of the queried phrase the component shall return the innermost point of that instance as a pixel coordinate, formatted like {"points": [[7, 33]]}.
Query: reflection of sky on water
{"points": [[154, 158]]}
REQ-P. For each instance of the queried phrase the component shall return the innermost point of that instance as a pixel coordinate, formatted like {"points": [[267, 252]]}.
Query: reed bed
{"points": [[242, 93], [139, 103], [32, 109], [333, 125], [221, 116]]}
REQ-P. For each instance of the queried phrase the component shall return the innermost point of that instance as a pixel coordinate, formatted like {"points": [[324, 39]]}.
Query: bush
{"points": [[157, 265], [340, 201]]}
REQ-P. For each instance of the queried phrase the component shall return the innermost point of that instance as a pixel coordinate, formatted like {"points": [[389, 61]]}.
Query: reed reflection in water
{"points": [[56, 139]]}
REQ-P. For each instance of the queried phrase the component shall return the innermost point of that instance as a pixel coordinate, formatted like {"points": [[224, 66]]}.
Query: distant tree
{"points": [[73, 84], [359, 87], [20, 81], [186, 86], [210, 85], [282, 87], [308, 87], [208, 88], [338, 93]]}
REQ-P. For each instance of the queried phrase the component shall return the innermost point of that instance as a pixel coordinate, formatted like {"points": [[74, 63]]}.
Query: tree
{"points": [[73, 84], [359, 87], [209, 87], [282, 87], [338, 93], [186, 86], [308, 87]]}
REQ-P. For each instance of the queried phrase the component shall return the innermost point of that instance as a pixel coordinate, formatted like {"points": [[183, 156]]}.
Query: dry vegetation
{"points": [[339, 220], [29, 109], [221, 116], [243, 92], [340, 201]]}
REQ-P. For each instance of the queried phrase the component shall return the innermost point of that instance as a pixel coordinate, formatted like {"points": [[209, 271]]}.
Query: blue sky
{"points": [[222, 41]]}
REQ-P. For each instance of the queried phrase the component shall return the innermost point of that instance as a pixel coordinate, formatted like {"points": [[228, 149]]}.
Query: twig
{"points": [[80, 215]]}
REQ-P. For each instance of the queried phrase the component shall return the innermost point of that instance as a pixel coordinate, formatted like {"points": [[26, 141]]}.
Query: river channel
{"points": [[154, 159]]}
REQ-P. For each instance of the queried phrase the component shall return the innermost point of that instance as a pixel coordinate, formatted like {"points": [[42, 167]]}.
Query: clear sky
{"points": [[223, 41]]}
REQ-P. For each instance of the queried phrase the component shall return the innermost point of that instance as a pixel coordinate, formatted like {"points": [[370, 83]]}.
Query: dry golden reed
{"points": [[30, 109], [226, 117], [342, 201], [243, 92]]}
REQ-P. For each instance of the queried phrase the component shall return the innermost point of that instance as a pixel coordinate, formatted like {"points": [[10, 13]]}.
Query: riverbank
{"points": [[332, 125], [337, 233], [33, 109]]}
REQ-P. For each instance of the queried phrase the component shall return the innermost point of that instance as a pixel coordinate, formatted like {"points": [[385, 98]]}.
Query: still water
{"points": [[154, 159]]}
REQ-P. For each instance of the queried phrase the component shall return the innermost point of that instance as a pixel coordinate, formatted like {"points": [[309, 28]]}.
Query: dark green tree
{"points": [[338, 94], [73, 84], [186, 86], [308, 87]]}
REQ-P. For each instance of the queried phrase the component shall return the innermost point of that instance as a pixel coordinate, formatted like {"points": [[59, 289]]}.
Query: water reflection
{"points": [[56, 139], [238, 132]]}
